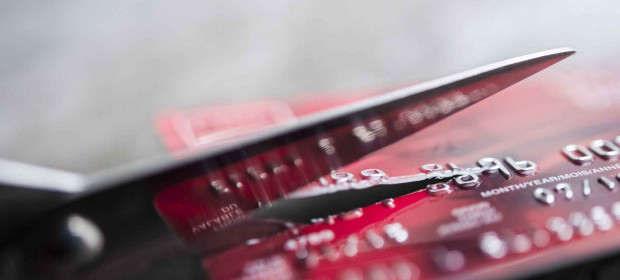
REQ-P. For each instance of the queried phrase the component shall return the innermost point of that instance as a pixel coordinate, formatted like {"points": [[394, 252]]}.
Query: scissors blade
{"points": [[323, 142], [258, 171]]}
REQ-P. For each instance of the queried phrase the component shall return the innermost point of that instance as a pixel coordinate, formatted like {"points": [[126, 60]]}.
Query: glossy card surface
{"points": [[537, 188]]}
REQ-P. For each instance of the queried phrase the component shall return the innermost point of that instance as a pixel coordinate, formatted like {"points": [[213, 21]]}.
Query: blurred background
{"points": [[81, 82]]}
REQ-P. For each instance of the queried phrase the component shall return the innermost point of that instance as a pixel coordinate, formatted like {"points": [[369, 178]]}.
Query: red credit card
{"points": [[547, 195]]}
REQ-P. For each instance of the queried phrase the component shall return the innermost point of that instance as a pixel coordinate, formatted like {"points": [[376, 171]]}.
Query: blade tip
{"points": [[563, 51]]}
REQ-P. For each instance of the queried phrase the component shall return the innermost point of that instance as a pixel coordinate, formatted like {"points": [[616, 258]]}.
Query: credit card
{"points": [[524, 183]]}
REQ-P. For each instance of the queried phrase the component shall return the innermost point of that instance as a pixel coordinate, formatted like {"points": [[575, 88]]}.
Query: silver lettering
{"points": [[605, 149], [438, 189], [492, 165], [544, 196], [342, 177], [566, 189], [374, 174], [578, 154], [522, 167]]}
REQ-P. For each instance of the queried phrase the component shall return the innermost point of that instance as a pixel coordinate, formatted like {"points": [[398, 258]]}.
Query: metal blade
{"points": [[326, 141], [205, 195]]}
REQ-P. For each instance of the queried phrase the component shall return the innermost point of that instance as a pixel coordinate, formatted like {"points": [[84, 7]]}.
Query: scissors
{"points": [[103, 213]]}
